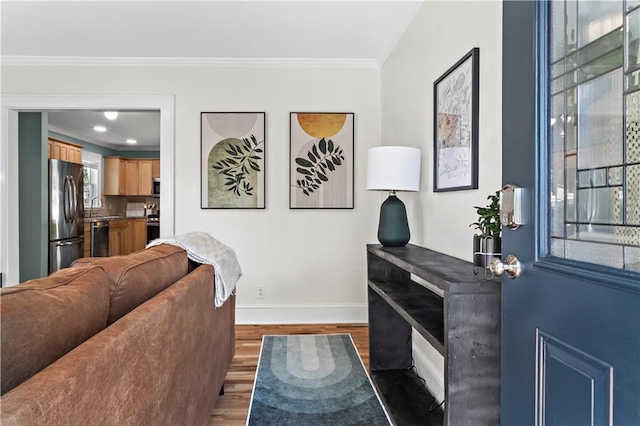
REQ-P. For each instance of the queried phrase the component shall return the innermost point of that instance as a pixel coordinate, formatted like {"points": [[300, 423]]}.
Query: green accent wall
{"points": [[33, 195]]}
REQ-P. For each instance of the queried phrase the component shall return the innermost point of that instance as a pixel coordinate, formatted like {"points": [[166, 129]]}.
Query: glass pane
{"points": [[600, 205], [631, 4], [557, 69], [601, 254], [593, 164], [633, 195], [601, 46], [557, 30], [633, 127], [615, 176], [600, 66], [609, 234], [557, 84], [600, 121], [600, 177], [571, 189], [557, 165], [557, 247], [633, 40], [572, 26], [571, 129], [597, 18], [632, 258], [584, 179]]}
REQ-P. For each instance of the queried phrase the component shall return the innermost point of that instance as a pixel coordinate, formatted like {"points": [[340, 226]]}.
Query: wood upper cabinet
{"points": [[125, 176], [145, 171], [132, 180], [156, 168], [114, 176], [65, 151]]}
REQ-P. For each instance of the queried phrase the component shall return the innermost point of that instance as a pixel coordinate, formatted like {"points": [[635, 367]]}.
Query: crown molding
{"points": [[411, 13], [63, 61]]}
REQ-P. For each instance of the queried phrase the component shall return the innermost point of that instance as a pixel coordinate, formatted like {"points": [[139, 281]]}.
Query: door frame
{"points": [[12, 104]]}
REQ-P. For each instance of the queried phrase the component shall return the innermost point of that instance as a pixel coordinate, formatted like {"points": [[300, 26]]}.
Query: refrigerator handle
{"points": [[74, 199], [67, 243], [65, 199]]}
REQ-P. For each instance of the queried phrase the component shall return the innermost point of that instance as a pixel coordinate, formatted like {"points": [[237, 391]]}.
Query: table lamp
{"points": [[393, 168]]}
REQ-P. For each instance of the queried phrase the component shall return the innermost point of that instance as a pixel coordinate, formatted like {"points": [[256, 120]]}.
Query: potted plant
{"points": [[487, 244]]}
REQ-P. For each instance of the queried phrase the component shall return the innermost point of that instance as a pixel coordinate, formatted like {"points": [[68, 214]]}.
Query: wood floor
{"points": [[232, 408]]}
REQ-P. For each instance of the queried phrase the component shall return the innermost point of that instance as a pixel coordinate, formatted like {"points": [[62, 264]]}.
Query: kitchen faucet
{"points": [[91, 206]]}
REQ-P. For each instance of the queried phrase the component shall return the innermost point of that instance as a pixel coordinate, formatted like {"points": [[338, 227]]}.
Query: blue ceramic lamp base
{"points": [[393, 229]]}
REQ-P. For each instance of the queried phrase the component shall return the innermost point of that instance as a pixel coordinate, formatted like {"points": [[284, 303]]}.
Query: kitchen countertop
{"points": [[109, 218]]}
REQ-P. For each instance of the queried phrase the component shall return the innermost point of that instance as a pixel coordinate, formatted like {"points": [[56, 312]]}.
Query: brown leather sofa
{"points": [[123, 340]]}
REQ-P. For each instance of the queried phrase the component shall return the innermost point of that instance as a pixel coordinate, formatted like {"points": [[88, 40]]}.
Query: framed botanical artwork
{"points": [[321, 160], [455, 127], [232, 160]]}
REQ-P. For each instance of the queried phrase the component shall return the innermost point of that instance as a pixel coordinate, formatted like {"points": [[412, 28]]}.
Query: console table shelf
{"points": [[457, 312]]}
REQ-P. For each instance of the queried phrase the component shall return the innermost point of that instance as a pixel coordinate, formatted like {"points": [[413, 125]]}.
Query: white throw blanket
{"points": [[203, 248]]}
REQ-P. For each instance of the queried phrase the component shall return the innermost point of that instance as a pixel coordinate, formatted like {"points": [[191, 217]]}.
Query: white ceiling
{"points": [[336, 32], [143, 126], [214, 33]]}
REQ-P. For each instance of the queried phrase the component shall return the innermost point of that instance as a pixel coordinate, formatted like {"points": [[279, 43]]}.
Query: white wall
{"points": [[308, 260], [440, 34]]}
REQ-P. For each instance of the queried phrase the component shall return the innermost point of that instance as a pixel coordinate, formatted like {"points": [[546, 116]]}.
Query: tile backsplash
{"points": [[113, 205]]}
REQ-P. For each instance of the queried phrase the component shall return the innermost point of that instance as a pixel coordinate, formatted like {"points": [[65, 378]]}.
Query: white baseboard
{"points": [[427, 369], [352, 313]]}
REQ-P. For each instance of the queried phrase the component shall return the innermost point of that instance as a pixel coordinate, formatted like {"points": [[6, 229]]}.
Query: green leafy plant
{"points": [[242, 157], [489, 218], [322, 158]]}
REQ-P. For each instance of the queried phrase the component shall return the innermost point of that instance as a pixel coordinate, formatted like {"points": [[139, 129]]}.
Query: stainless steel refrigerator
{"points": [[66, 214]]}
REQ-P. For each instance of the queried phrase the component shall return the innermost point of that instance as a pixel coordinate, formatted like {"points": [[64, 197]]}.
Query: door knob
{"points": [[511, 267]]}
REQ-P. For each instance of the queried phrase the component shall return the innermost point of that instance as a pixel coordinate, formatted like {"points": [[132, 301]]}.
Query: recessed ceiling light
{"points": [[132, 141], [100, 128], [111, 115]]}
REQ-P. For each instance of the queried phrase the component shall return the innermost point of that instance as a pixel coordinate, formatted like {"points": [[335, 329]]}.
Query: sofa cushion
{"points": [[137, 277], [43, 319]]}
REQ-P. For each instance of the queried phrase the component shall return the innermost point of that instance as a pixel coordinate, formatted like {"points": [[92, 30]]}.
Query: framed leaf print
{"points": [[233, 149], [321, 160]]}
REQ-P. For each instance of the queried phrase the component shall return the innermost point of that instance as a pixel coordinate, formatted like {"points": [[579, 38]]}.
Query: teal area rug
{"points": [[313, 380]]}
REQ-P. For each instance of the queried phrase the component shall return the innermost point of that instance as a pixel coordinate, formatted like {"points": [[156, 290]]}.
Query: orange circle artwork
{"points": [[321, 125]]}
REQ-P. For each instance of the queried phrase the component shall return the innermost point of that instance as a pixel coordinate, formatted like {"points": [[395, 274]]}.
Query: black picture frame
{"points": [[455, 125], [321, 160], [233, 149]]}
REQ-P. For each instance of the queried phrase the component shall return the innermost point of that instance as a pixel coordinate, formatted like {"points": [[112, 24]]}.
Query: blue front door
{"points": [[571, 139]]}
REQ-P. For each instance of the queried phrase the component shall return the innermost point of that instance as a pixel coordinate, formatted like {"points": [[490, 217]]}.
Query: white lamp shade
{"points": [[393, 168]]}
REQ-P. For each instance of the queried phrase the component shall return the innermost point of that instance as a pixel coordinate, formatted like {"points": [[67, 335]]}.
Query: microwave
{"points": [[155, 187]]}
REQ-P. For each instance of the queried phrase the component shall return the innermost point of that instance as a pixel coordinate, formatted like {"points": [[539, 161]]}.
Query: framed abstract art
{"points": [[321, 160], [456, 100], [233, 149]]}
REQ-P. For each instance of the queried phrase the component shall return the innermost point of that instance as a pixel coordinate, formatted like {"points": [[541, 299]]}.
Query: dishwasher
{"points": [[100, 238]]}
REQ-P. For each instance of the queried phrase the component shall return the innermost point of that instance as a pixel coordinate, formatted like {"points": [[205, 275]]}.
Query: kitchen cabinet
{"points": [[128, 176], [131, 177], [87, 239], [114, 176], [139, 234], [156, 168], [120, 237], [127, 236], [65, 151], [145, 174]]}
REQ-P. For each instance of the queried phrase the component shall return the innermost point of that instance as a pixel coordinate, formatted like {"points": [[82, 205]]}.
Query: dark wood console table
{"points": [[463, 324]]}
